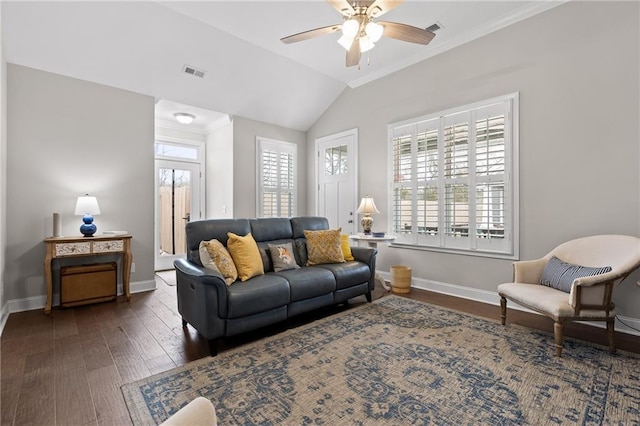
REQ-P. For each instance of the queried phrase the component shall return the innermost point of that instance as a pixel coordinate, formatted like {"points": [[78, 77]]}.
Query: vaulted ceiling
{"points": [[143, 46]]}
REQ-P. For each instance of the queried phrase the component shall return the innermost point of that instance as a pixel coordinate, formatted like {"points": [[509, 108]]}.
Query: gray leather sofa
{"points": [[217, 310]]}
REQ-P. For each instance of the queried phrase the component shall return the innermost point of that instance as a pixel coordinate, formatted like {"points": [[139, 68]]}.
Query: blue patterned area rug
{"points": [[399, 361]]}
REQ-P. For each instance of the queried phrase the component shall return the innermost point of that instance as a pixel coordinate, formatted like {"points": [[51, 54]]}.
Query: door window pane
{"points": [[336, 160], [174, 189]]}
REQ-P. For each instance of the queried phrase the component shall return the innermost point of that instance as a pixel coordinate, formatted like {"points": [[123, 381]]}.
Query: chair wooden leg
{"points": [[612, 334], [558, 331], [503, 310]]}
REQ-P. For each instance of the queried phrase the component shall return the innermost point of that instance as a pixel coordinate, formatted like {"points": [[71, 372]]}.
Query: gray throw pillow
{"points": [[282, 257], [561, 275]]}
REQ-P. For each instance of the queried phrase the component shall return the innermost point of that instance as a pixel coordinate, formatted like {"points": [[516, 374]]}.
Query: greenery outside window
{"points": [[454, 179], [276, 178]]}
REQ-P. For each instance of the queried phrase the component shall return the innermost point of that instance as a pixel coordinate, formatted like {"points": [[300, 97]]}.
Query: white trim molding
{"points": [[492, 298]]}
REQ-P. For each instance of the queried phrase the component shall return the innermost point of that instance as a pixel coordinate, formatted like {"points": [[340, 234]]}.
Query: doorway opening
{"points": [[178, 198]]}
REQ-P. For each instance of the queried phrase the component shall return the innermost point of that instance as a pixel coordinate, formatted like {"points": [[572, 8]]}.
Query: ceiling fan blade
{"points": [[354, 54], [342, 6], [306, 35], [380, 7], [406, 32]]}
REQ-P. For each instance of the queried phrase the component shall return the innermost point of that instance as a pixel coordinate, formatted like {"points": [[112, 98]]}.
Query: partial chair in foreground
{"points": [[574, 282]]}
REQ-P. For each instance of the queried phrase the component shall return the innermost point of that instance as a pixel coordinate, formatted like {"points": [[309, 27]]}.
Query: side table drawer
{"points": [[72, 249], [108, 246]]}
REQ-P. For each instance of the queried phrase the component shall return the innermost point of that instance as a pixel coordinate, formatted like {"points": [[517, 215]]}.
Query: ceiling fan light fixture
{"points": [[374, 31], [345, 42], [366, 44], [184, 117], [350, 28]]}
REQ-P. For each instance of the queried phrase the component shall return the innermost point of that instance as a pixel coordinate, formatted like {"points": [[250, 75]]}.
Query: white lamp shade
{"points": [[350, 28], [87, 205], [345, 42], [366, 44], [367, 206], [374, 31]]}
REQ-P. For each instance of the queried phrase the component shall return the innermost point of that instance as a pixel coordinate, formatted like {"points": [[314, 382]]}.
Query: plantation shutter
{"points": [[276, 179], [452, 179]]}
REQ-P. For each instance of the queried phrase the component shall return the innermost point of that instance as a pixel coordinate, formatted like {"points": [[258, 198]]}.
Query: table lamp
{"points": [[367, 207], [86, 207]]}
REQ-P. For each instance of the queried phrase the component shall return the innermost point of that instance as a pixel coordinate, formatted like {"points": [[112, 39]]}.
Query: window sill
{"points": [[462, 252]]}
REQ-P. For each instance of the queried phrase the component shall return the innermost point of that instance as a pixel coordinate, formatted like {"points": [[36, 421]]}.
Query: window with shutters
{"points": [[454, 179], [276, 178]]}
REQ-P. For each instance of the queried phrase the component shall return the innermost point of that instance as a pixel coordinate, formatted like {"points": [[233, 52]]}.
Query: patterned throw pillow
{"points": [[206, 259], [324, 246], [222, 259], [246, 255], [346, 247], [282, 257], [561, 275]]}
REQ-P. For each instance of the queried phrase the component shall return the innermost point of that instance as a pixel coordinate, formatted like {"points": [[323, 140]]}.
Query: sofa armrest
{"points": [[367, 255], [196, 271], [210, 295]]}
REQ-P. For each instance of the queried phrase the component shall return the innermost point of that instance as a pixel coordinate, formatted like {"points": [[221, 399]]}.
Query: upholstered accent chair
{"points": [[586, 297]]}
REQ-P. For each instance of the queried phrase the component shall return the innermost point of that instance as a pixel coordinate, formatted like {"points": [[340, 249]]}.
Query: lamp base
{"points": [[367, 223], [88, 228]]}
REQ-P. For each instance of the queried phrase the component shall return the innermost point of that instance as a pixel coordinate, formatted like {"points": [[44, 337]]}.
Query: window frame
{"points": [[437, 123], [279, 147]]}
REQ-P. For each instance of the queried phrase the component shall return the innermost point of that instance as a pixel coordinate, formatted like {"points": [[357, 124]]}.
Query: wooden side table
{"points": [[373, 242], [73, 247]]}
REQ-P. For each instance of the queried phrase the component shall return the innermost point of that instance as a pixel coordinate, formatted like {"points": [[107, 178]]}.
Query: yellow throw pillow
{"points": [[222, 259], [346, 247], [324, 246], [246, 255]]}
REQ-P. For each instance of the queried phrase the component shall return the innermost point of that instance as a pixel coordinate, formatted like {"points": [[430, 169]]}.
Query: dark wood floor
{"points": [[67, 368]]}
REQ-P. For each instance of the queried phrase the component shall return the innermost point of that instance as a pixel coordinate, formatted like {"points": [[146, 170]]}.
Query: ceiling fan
{"points": [[360, 31]]}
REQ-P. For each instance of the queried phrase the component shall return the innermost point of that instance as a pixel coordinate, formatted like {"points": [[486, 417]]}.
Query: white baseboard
{"points": [[492, 298], [38, 302]]}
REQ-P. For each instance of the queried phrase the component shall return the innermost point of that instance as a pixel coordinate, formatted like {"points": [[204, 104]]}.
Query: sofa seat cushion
{"points": [[308, 282], [348, 274], [258, 294]]}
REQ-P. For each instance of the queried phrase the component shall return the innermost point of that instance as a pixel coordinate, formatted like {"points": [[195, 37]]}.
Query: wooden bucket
{"points": [[400, 279]]}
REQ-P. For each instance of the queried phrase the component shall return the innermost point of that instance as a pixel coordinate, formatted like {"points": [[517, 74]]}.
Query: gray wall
{"points": [[67, 137], [245, 132], [576, 68], [219, 164]]}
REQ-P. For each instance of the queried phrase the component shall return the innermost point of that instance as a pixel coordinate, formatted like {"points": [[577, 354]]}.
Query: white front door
{"points": [[177, 202], [337, 179]]}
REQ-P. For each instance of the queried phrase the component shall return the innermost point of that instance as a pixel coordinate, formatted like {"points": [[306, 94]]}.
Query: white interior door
{"points": [[337, 179], [177, 202]]}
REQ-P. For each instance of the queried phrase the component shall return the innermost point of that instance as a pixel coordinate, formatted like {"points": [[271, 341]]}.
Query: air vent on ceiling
{"points": [[193, 71], [434, 28]]}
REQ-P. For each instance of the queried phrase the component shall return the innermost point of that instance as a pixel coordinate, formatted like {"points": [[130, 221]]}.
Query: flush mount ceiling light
{"points": [[184, 117], [360, 32]]}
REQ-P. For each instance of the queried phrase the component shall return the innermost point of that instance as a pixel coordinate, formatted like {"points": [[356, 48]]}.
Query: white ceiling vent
{"points": [[435, 27], [188, 69]]}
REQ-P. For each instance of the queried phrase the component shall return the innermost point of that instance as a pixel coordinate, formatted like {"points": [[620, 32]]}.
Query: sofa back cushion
{"points": [[206, 230], [271, 228], [308, 223]]}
